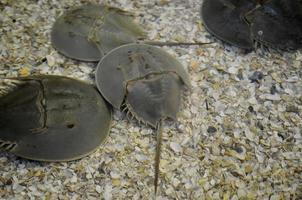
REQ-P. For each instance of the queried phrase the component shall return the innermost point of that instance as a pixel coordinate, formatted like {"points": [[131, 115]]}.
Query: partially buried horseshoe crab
{"points": [[88, 32], [51, 118], [147, 82]]}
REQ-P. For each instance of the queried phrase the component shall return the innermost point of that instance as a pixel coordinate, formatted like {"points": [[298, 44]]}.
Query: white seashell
{"points": [[175, 147]]}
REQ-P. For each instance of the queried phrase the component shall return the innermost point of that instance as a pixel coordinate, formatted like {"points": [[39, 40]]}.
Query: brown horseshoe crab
{"points": [[147, 82], [223, 19], [88, 32], [52, 118], [272, 26]]}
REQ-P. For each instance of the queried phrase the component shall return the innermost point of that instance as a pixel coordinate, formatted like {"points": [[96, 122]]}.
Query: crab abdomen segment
{"points": [[159, 97]]}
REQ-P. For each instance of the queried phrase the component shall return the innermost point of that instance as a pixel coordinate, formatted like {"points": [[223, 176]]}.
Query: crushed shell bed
{"points": [[238, 135]]}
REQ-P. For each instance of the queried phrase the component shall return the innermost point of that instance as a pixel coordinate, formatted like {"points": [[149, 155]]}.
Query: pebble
{"points": [[211, 129], [50, 60], [98, 189], [256, 77]]}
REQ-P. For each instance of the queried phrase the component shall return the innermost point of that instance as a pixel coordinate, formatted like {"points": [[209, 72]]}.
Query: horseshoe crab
{"points": [[51, 118], [271, 26], [88, 32], [223, 19], [147, 82]]}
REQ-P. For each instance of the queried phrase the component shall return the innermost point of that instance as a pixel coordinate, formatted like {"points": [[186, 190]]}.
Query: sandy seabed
{"points": [[238, 134]]}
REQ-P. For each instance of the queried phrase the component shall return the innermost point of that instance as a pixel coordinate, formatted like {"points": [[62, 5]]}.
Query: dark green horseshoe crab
{"points": [[277, 24], [51, 118], [250, 24], [88, 32], [146, 82], [224, 19]]}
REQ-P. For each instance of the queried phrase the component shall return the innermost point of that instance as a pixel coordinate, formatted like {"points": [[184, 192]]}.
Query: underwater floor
{"points": [[238, 134]]}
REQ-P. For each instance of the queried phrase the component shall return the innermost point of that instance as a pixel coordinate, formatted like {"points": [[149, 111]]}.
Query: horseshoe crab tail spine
{"points": [[156, 43], [157, 154]]}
